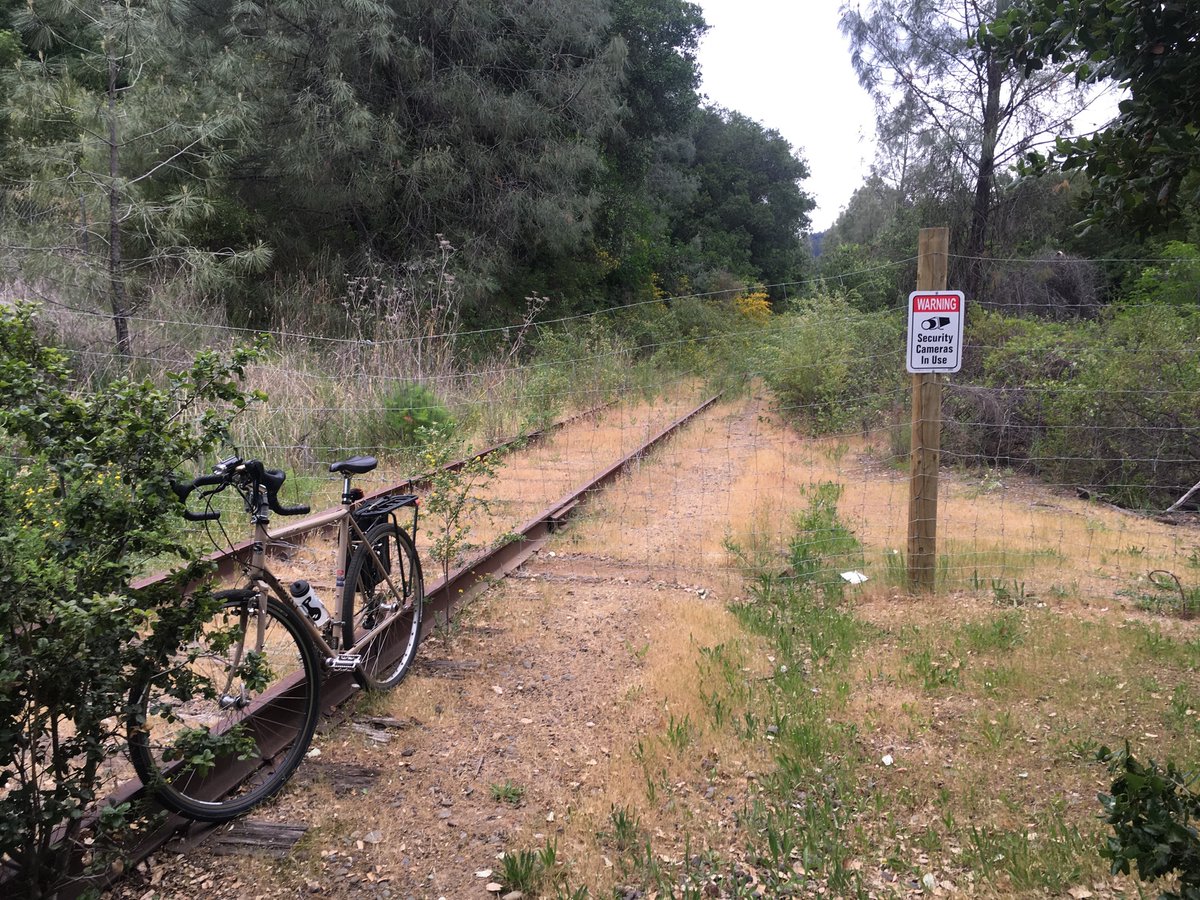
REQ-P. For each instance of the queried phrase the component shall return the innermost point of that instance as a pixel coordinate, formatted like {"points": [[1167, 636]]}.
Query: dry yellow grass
{"points": [[988, 712]]}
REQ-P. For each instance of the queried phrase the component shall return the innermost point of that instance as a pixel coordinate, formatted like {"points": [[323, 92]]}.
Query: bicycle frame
{"points": [[258, 573]]}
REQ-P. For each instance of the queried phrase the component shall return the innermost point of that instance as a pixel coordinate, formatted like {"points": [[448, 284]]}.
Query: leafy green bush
{"points": [[86, 502], [1174, 280], [1153, 813], [870, 286], [832, 366], [1109, 423], [410, 408], [1078, 404]]}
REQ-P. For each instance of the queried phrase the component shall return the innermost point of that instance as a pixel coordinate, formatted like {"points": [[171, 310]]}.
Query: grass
{"points": [[989, 703], [1164, 593]]}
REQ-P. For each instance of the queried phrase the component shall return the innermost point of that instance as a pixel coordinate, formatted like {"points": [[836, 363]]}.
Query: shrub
{"points": [[823, 546], [410, 408], [87, 501], [1153, 812], [1076, 401], [854, 271], [832, 366], [1107, 425], [1175, 279], [1053, 286]]}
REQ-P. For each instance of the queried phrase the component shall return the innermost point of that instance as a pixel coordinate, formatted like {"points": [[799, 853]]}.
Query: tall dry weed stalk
{"points": [[408, 320]]}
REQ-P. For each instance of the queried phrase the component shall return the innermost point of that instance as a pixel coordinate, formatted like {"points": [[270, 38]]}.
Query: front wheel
{"points": [[383, 588], [228, 718]]}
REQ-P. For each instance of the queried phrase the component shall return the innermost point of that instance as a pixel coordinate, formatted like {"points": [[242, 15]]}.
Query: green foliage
{"points": [[411, 410], [1153, 812], [454, 493], [626, 830], [954, 114], [528, 871], [87, 501], [1073, 400], [832, 366], [1138, 466], [805, 813], [748, 209], [1001, 632], [198, 748], [115, 156], [850, 269], [822, 546], [561, 144], [508, 792], [1175, 280], [1144, 167], [1163, 593]]}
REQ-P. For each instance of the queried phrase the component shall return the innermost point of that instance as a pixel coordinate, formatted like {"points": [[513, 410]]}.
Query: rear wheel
{"points": [[384, 586], [222, 726]]}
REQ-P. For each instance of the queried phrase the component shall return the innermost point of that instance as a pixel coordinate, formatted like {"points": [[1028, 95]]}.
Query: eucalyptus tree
{"points": [[964, 111]]}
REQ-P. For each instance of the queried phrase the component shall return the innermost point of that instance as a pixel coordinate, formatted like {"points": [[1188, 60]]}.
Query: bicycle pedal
{"points": [[344, 662]]}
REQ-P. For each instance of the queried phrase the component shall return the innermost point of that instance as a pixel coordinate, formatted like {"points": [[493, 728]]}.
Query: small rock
{"points": [[512, 895], [373, 837], [484, 873], [494, 888]]}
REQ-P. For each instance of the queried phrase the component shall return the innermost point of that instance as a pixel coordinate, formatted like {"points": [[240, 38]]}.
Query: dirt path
{"points": [[571, 695], [520, 721]]}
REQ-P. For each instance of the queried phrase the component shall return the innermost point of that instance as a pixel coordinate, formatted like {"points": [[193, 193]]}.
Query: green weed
{"points": [[935, 672], [1005, 595], [1002, 632], [521, 870], [1051, 858], [507, 792], [679, 733], [625, 833]]}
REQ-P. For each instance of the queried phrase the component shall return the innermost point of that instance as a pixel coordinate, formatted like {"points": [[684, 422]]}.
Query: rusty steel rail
{"points": [[441, 599], [228, 561]]}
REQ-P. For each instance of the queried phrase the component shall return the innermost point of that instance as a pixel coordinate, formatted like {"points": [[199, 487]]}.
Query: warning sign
{"points": [[935, 331]]}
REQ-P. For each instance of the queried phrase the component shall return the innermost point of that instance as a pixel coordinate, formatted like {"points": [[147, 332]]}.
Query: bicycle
{"points": [[226, 721]]}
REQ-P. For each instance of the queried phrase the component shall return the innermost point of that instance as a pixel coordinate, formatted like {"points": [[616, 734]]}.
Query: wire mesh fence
{"points": [[1064, 440]]}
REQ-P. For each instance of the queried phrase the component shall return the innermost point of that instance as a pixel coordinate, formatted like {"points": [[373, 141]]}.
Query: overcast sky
{"points": [[784, 63]]}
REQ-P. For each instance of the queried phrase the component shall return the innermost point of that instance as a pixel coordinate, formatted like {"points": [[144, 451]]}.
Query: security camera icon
{"points": [[935, 323]]}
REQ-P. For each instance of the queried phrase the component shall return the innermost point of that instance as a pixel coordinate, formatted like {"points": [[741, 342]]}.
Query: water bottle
{"points": [[309, 603]]}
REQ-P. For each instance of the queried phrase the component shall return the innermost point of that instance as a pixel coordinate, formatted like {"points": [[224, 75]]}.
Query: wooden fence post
{"points": [[926, 430]]}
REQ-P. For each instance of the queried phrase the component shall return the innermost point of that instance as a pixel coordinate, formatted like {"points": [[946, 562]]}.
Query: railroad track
{"points": [[442, 597]]}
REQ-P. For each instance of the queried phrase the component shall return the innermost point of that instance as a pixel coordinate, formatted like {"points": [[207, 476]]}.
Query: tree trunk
{"points": [[981, 209], [117, 296]]}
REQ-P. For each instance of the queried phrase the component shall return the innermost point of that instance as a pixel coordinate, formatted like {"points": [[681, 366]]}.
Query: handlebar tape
{"points": [[201, 516]]}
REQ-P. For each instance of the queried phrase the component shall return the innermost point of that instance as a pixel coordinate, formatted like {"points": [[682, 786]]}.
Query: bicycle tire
{"points": [[246, 747], [388, 656]]}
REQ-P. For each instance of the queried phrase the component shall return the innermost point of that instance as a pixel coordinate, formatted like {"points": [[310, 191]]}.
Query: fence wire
{"points": [[1031, 510]]}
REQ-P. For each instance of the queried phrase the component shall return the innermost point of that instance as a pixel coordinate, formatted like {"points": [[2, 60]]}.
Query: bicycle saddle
{"points": [[357, 465]]}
